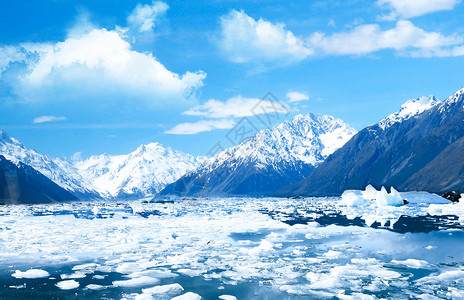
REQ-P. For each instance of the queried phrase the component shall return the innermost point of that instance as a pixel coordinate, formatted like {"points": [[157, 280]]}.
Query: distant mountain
{"points": [[141, 173], [60, 171], [22, 184], [418, 148], [270, 160]]}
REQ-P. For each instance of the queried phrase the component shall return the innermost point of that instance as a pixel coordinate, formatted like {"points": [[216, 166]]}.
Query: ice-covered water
{"points": [[224, 248]]}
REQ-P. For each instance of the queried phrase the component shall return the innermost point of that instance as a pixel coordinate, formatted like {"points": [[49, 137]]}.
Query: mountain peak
{"points": [[4, 136], [408, 110], [458, 96]]}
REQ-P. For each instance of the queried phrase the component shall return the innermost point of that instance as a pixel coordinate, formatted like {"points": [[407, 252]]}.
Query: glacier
{"points": [[234, 248]]}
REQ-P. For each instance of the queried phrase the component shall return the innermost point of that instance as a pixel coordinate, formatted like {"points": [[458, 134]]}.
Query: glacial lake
{"points": [[266, 248]]}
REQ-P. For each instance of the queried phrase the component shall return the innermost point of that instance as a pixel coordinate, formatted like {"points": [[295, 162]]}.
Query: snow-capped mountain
{"points": [[22, 184], [60, 171], [408, 110], [143, 172], [270, 160], [414, 149]]}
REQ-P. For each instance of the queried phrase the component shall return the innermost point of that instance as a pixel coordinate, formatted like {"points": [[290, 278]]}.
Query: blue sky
{"points": [[106, 76]]}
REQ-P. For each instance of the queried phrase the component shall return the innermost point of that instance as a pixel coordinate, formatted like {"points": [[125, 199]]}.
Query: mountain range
{"points": [[270, 160], [22, 184], [141, 173], [420, 147], [422, 150]]}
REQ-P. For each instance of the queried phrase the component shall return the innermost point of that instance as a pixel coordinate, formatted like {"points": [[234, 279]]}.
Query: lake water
{"points": [[309, 248]]}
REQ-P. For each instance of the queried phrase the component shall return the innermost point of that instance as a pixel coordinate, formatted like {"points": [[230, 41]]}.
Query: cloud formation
{"points": [[236, 107], [243, 39], [9, 54], [296, 96], [144, 17], [201, 126], [100, 64], [48, 119], [365, 39], [413, 8]]}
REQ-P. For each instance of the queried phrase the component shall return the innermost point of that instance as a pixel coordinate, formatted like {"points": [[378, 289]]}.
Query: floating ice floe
{"points": [[167, 289], [30, 274], [68, 284], [139, 281], [187, 296], [370, 195]]}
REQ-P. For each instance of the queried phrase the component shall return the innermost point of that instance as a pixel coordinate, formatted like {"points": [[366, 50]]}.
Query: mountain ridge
{"points": [[271, 158], [391, 156]]}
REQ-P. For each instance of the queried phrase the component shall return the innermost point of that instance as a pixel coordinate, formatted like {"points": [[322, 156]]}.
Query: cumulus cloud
{"points": [[237, 107], [47, 119], [201, 126], [100, 64], [9, 54], [413, 8], [404, 37], [243, 39], [296, 96], [144, 17]]}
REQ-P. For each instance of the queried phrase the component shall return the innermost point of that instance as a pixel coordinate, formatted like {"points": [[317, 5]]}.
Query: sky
{"points": [[79, 78]]}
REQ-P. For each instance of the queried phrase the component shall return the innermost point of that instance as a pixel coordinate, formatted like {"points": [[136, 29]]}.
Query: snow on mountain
{"points": [[424, 153], [272, 158], [408, 110], [60, 171], [306, 138], [143, 172]]}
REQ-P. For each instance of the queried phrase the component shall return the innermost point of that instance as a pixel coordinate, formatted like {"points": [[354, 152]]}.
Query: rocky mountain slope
{"points": [[418, 150], [21, 184], [270, 160]]}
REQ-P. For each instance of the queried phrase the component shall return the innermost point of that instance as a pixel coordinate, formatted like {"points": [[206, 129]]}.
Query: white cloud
{"points": [[414, 8], [100, 64], [237, 107], [296, 96], [244, 39], [404, 37], [144, 17], [201, 126], [47, 119], [9, 54]]}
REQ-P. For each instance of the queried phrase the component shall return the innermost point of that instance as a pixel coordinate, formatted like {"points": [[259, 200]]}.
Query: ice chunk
{"points": [[95, 287], [227, 297], [164, 289], [144, 297], [32, 273], [68, 284], [127, 268], [73, 275], [154, 273], [139, 281], [187, 296], [370, 193], [355, 198]]}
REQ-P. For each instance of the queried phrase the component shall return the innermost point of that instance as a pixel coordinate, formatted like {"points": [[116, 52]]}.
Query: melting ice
{"points": [[236, 248]]}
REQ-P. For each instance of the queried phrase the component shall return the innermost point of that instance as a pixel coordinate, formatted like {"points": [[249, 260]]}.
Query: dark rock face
{"points": [[242, 180], [24, 185], [424, 152], [270, 160], [453, 196]]}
